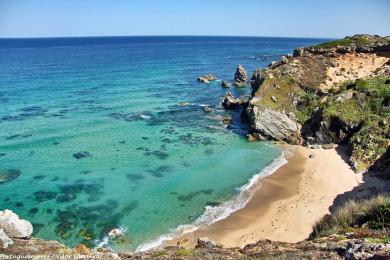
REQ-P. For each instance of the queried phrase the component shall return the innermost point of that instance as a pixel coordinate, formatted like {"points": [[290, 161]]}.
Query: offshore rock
{"points": [[225, 84], [13, 226], [207, 78], [230, 102], [240, 78]]}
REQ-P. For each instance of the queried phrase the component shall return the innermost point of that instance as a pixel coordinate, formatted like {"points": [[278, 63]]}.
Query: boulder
{"points": [[5, 241], [230, 102], [268, 124], [207, 78], [204, 242], [225, 84], [13, 226], [240, 78]]}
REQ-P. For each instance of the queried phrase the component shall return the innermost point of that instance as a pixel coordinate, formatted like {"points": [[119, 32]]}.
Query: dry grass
{"points": [[370, 214]]}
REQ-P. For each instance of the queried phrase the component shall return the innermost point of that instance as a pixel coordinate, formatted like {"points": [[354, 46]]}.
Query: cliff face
{"points": [[336, 92]]}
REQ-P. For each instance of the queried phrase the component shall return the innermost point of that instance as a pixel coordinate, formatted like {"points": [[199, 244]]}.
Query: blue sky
{"points": [[326, 18]]}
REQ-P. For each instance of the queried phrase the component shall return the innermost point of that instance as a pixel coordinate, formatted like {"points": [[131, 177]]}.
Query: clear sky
{"points": [[316, 18]]}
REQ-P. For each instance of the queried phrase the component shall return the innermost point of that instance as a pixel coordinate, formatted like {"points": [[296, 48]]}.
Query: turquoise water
{"points": [[93, 135]]}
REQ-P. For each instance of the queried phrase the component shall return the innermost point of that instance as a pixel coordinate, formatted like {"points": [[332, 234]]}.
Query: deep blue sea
{"points": [[110, 132]]}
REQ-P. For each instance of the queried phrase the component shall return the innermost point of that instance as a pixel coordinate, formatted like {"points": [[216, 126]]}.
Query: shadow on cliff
{"points": [[240, 122]]}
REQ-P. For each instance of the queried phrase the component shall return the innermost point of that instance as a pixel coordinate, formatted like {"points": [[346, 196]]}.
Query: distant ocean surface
{"points": [[107, 132]]}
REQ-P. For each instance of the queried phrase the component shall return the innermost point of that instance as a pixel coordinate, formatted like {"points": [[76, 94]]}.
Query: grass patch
{"points": [[185, 252], [357, 40], [370, 217]]}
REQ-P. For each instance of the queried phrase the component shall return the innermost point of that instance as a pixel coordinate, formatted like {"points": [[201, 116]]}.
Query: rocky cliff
{"points": [[335, 92]]}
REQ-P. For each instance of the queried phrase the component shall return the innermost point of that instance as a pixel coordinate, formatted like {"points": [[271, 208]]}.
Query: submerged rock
{"points": [[81, 155], [13, 226], [240, 78], [225, 84], [9, 175], [207, 78]]}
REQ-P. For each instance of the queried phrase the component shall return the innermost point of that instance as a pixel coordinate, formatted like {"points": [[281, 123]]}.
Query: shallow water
{"points": [[93, 135]]}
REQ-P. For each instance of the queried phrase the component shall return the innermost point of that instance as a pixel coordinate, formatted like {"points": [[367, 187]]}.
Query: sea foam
{"points": [[213, 214]]}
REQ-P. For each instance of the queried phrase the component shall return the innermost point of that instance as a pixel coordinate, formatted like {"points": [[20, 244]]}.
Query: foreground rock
{"points": [[326, 248], [16, 240], [13, 226], [240, 77], [207, 78], [332, 247]]}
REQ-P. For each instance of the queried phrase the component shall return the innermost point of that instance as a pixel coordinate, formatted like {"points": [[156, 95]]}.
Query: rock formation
{"points": [[230, 102], [16, 240], [335, 92], [207, 78], [225, 84], [13, 226], [240, 77]]}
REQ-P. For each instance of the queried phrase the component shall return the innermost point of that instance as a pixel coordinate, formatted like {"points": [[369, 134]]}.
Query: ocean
{"points": [[109, 132]]}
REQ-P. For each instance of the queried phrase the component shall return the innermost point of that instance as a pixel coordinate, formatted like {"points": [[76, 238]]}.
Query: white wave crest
{"points": [[213, 214]]}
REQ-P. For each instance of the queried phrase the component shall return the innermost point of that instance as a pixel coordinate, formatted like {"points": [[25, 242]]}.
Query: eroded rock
{"points": [[240, 77], [230, 102], [207, 78], [13, 226], [268, 124]]}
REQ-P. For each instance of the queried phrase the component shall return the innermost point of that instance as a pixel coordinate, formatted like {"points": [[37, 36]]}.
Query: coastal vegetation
{"points": [[367, 218]]}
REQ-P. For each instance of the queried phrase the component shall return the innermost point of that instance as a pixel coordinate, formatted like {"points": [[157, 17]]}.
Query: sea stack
{"points": [[241, 77]]}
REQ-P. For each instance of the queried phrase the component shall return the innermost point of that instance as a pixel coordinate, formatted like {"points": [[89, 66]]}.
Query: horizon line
{"points": [[163, 35]]}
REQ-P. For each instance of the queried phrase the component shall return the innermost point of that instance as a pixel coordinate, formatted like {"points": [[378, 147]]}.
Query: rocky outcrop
{"points": [[330, 93], [240, 77], [204, 242], [230, 102], [331, 247], [268, 124], [16, 240], [207, 78], [13, 226], [225, 84], [5, 241], [360, 43]]}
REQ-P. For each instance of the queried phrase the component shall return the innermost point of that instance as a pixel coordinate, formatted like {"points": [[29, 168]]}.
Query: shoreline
{"points": [[213, 214], [286, 204]]}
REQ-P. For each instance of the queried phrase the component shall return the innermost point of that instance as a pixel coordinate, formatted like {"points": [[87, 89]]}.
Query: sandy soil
{"points": [[288, 202]]}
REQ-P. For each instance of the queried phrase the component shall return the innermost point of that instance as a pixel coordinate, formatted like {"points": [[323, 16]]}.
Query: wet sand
{"points": [[288, 202]]}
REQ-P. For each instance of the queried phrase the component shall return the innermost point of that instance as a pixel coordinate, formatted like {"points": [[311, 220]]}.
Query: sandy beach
{"points": [[288, 202]]}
